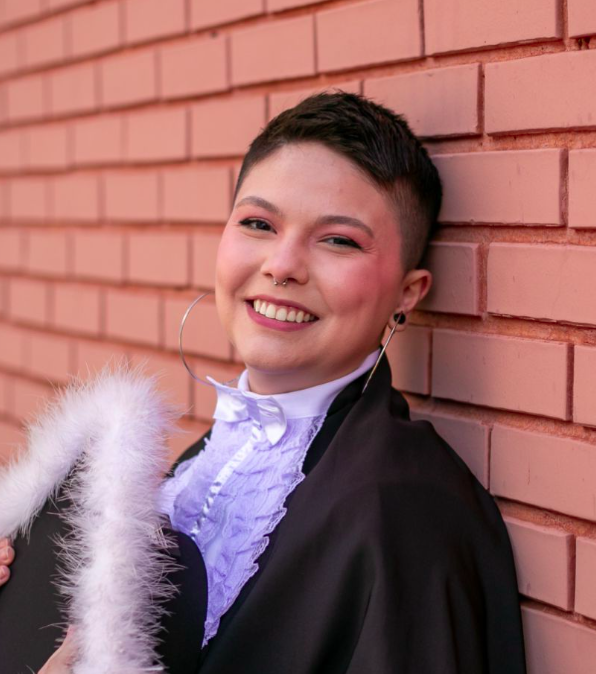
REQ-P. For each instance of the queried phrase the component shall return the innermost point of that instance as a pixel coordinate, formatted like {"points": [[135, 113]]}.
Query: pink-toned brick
{"points": [[551, 91], [28, 301], [12, 437], [98, 255], [543, 561], [73, 89], [204, 14], [582, 178], [581, 17], [280, 5], [9, 52], [173, 380], [467, 437], [49, 357], [29, 199], [77, 308], [378, 31], [584, 385], [98, 140], [557, 645], [261, 54], [96, 29], [157, 135], [152, 19], [196, 194], [542, 281], [585, 588], [204, 397], [409, 357], [12, 150], [547, 471], [129, 78], [29, 399], [442, 102], [47, 253], [133, 316], [160, 258], [46, 147], [455, 287], [518, 187], [203, 334], [189, 431], [91, 357], [204, 254], [12, 353], [455, 25], [10, 249], [226, 127], [181, 71], [25, 98], [16, 11], [44, 43], [62, 4], [76, 197], [282, 100], [132, 196], [523, 375]]}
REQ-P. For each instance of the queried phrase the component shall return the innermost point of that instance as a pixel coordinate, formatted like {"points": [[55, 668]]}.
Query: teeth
{"points": [[281, 313]]}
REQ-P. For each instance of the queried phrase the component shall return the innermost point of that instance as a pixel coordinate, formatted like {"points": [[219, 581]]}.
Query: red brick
{"points": [[223, 128], [179, 78], [584, 385], [203, 334], [159, 258], [132, 196], [47, 253], [12, 150], [9, 52], [152, 19], [282, 100], [28, 301], [581, 17], [204, 254], [157, 135], [13, 11], [10, 249], [544, 470], [12, 353], [551, 91], [99, 255], [129, 78], [523, 375], [196, 194], [133, 316], [582, 177], [50, 357], [96, 29], [204, 14], [73, 89], [467, 437], [556, 645], [378, 31], [91, 357], [455, 286], [543, 561], [204, 396], [30, 399], [455, 25], [409, 357], [25, 98], [174, 381], [98, 140], [29, 199], [518, 187], [442, 102], [77, 308], [44, 43], [261, 54], [585, 589], [542, 281], [46, 147], [76, 197], [280, 5]]}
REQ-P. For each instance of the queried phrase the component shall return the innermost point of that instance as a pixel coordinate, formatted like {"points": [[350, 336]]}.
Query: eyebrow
{"points": [[321, 220]]}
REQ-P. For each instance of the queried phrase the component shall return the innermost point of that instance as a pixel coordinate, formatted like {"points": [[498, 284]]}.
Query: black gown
{"points": [[391, 559]]}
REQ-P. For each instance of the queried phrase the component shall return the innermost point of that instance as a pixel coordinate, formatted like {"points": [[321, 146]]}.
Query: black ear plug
{"points": [[400, 318]]}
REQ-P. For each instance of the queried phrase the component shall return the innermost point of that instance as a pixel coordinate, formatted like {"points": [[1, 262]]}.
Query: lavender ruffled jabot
{"points": [[231, 496]]}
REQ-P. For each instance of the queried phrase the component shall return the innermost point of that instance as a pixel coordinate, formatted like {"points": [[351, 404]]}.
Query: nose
{"points": [[286, 259]]}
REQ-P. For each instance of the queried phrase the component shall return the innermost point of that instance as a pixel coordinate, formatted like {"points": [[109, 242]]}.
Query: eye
{"points": [[255, 224], [343, 241]]}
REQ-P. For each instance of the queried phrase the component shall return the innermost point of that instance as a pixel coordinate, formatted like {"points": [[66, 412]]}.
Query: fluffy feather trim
{"points": [[114, 428]]}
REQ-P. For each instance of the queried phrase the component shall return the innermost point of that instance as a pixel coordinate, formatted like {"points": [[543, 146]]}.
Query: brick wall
{"points": [[122, 127]]}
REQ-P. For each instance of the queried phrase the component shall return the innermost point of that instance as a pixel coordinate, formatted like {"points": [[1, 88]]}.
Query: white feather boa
{"points": [[114, 428]]}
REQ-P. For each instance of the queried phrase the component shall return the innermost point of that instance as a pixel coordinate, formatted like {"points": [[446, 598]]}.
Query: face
{"points": [[308, 215]]}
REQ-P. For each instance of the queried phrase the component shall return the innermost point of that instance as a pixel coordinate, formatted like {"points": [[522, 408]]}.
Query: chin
{"points": [[270, 360]]}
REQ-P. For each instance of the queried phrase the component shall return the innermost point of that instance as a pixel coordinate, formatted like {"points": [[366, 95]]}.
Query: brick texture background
{"points": [[122, 127]]}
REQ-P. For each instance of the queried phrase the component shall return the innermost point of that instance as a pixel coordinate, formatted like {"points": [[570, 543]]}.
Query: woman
{"points": [[337, 534]]}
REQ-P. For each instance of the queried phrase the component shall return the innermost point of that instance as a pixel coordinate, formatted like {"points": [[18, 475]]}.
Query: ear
{"points": [[415, 286]]}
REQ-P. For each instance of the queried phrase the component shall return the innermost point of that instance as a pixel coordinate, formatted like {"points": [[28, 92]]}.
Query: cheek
{"points": [[231, 263], [356, 289]]}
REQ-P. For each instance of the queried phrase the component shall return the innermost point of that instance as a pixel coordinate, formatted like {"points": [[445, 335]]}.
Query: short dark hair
{"points": [[379, 142]]}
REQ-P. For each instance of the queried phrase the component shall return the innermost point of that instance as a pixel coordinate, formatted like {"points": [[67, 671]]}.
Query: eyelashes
{"points": [[341, 241]]}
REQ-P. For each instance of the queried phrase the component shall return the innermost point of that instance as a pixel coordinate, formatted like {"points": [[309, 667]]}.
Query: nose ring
{"points": [[276, 282]]}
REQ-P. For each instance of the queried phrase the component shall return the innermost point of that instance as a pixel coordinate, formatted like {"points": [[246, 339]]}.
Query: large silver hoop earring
{"points": [[181, 350], [400, 319]]}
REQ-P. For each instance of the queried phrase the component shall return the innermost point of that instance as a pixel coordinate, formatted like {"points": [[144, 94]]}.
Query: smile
{"points": [[282, 313]]}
